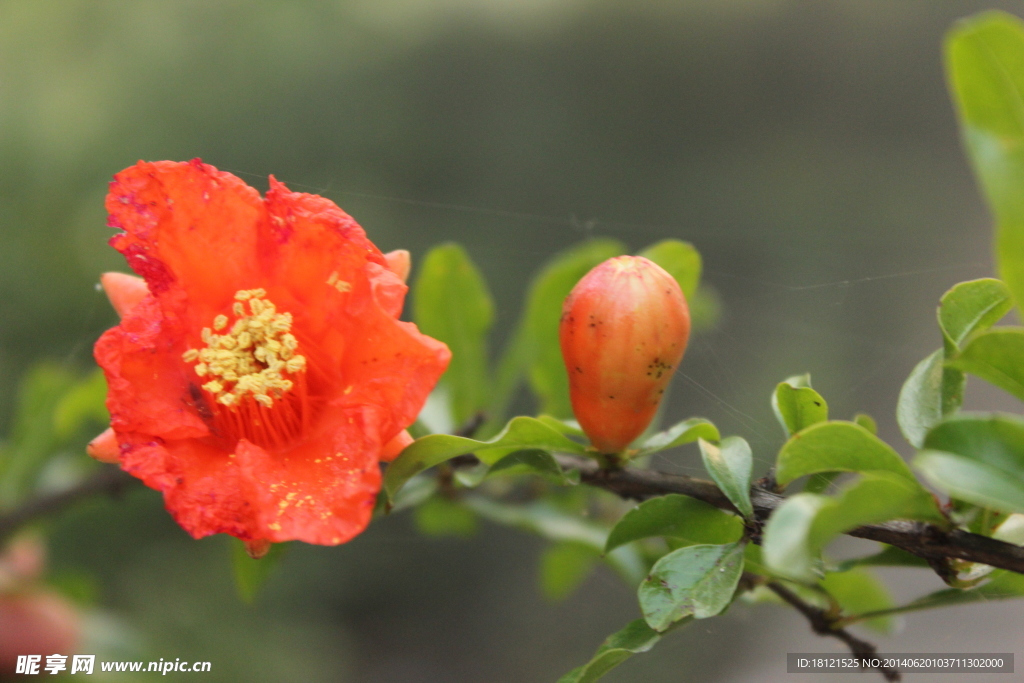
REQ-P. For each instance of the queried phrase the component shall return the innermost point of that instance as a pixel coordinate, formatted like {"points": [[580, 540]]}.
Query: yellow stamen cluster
{"points": [[253, 356]]}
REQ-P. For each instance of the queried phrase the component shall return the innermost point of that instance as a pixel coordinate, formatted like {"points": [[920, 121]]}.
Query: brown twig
{"points": [[824, 625], [109, 481], [924, 540]]}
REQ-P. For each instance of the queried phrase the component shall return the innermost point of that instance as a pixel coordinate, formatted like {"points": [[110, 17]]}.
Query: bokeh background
{"points": [[807, 148]]}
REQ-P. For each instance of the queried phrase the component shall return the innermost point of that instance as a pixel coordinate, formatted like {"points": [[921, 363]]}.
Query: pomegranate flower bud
{"points": [[623, 331]]}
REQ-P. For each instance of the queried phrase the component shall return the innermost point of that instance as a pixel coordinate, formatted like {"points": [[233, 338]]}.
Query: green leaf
{"points": [[541, 351], [34, 435], [970, 307], [452, 303], [676, 516], [867, 422], [804, 524], [250, 574], [993, 438], [84, 403], [797, 405], [836, 447], [1004, 585], [678, 434], [730, 465], [931, 392], [563, 567], [978, 458], [697, 580], [567, 427], [549, 522], [859, 591], [997, 356], [705, 308], [439, 516], [889, 556], [971, 480], [635, 638], [680, 259], [521, 432], [985, 61], [538, 462], [785, 547]]}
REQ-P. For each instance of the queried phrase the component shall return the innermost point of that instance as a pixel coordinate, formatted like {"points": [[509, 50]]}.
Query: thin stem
{"points": [[825, 625], [108, 480], [924, 540]]}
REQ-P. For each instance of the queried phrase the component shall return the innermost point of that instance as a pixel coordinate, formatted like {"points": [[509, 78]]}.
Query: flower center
{"points": [[255, 356], [254, 374]]}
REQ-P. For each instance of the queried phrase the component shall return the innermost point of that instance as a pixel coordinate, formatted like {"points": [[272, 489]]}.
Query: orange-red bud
{"points": [[394, 447], [124, 291], [623, 331]]}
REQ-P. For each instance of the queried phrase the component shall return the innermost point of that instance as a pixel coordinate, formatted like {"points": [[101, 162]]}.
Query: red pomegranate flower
{"points": [[260, 373]]}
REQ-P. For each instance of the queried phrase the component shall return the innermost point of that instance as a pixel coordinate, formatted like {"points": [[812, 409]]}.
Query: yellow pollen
{"points": [[250, 357], [339, 284]]}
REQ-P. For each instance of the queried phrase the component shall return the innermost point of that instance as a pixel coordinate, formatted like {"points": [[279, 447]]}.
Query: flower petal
{"points": [[148, 388], [322, 491], [104, 447], [124, 291], [188, 227]]}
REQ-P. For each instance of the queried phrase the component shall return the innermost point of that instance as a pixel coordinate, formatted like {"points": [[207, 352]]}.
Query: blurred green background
{"points": [[808, 149]]}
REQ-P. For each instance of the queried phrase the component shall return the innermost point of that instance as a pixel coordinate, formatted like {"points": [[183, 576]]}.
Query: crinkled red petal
{"points": [[197, 236], [148, 385], [322, 491]]}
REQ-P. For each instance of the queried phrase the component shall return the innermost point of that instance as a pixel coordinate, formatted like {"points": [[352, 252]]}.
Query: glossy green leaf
{"points": [[635, 638], [797, 405], [971, 480], [541, 351], [993, 438], [697, 580], [452, 303], [251, 575], [681, 260], [1004, 585], [730, 465], [537, 462], [520, 433], [978, 458], [549, 522], [859, 591], [676, 516], [563, 567], [785, 548], [804, 524], [970, 307], [875, 497], [439, 516], [836, 447], [985, 61], [931, 392], [997, 356], [678, 434]]}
